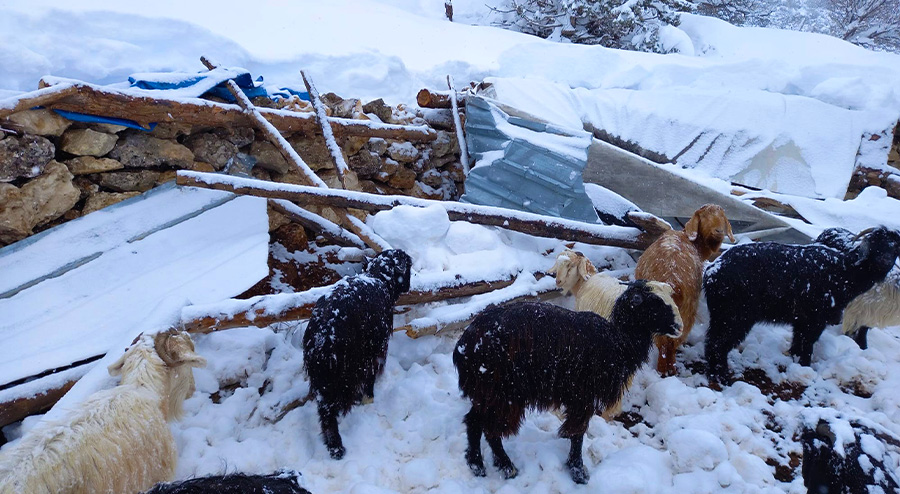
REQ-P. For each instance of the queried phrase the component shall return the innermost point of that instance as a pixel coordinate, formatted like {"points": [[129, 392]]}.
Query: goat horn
{"points": [[160, 345], [863, 233]]}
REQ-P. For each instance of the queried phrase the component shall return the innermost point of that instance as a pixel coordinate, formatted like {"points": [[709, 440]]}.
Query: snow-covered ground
{"points": [[680, 436]]}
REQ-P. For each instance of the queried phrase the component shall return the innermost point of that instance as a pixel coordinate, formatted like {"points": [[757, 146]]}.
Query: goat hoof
{"points": [[579, 474], [508, 471], [337, 452], [477, 469]]}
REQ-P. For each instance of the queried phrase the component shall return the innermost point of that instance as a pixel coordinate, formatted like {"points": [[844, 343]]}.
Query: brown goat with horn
{"points": [[676, 258]]}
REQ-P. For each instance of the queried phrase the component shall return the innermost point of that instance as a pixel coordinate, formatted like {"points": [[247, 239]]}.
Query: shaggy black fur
{"points": [[858, 470], [235, 483], [346, 342], [807, 286], [536, 355], [836, 238]]}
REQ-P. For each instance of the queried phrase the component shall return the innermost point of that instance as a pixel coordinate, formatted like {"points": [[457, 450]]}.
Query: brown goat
{"points": [[677, 258]]}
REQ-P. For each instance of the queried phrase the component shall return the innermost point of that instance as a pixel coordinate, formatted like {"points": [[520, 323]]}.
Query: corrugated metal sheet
{"points": [[523, 175]]}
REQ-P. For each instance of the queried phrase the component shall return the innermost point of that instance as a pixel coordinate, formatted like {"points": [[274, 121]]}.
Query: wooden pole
{"points": [[460, 135], [530, 223], [337, 156]]}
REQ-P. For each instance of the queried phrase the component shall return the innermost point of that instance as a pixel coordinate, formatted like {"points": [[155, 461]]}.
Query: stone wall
{"points": [[53, 170]]}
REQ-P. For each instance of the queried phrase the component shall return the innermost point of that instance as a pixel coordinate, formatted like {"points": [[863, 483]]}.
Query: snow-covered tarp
{"points": [[74, 291], [785, 143]]}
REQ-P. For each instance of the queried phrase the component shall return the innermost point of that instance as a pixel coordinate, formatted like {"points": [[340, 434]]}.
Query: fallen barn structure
{"points": [[359, 167], [335, 213]]}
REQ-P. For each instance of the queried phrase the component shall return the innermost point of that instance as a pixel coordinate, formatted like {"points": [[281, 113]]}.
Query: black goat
{"points": [[346, 341], [235, 483], [852, 468], [537, 355], [806, 286]]}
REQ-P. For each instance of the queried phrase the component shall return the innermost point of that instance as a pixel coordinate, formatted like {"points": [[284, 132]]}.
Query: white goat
{"points": [[597, 292], [118, 440], [877, 308]]}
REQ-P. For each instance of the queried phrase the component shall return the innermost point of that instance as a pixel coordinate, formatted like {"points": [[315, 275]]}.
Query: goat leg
{"points": [[501, 459], [474, 428], [330, 433], [576, 463], [805, 336], [861, 338]]}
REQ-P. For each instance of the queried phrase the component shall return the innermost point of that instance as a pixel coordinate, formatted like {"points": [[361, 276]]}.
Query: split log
{"points": [[337, 156], [530, 223], [427, 98], [460, 135], [146, 107]]}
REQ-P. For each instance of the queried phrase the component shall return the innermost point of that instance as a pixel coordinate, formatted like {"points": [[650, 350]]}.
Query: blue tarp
{"points": [[211, 83]]}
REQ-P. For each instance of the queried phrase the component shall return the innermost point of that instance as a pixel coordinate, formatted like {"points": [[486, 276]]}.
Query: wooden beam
{"points": [[415, 331], [20, 408], [41, 97], [144, 109], [258, 311], [331, 231], [530, 223]]}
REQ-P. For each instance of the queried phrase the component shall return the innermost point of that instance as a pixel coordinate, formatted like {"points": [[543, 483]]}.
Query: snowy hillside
{"points": [[759, 87]]}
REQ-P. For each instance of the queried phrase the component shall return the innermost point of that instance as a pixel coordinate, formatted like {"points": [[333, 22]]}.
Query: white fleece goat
{"points": [[877, 308], [118, 440], [597, 292]]}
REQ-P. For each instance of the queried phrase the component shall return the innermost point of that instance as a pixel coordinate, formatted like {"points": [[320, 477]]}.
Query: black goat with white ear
{"points": [[346, 341], [807, 286], [537, 355], [877, 308]]}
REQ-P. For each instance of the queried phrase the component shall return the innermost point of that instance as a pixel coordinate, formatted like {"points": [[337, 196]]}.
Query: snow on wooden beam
{"points": [[530, 223], [264, 310], [40, 97], [146, 106], [450, 317], [331, 231], [337, 156]]}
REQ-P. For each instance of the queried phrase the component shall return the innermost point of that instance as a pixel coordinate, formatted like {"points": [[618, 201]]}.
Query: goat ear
{"points": [[115, 368], [862, 252], [692, 227], [728, 231], [584, 268]]}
